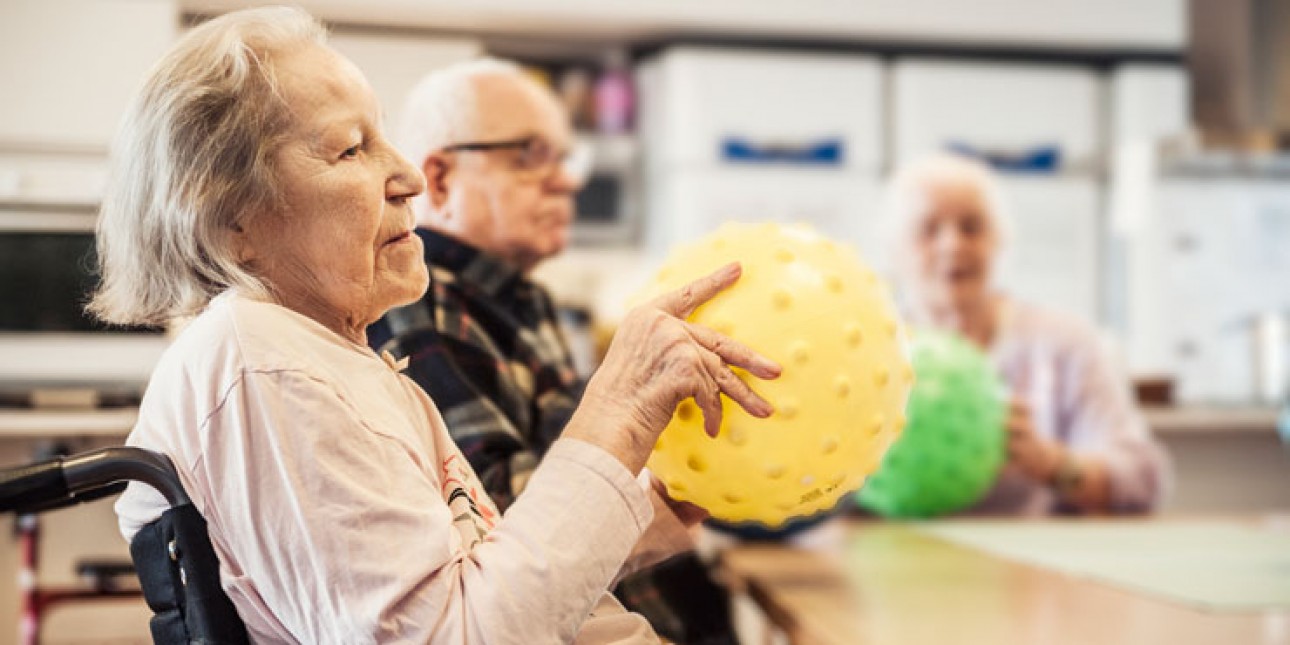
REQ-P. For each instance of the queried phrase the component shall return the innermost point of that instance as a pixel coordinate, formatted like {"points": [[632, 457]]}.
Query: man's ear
{"points": [[437, 167]]}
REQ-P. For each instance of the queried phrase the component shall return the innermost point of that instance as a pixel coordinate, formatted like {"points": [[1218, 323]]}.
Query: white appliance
{"points": [[47, 343], [1209, 265], [760, 136]]}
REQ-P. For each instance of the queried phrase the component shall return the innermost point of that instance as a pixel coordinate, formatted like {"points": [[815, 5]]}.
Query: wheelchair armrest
{"points": [[58, 482], [38, 485]]}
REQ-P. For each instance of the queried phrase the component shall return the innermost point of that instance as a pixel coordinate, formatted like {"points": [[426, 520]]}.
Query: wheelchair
{"points": [[173, 557]]}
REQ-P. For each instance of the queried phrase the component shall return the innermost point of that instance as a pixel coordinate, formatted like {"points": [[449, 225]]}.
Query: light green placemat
{"points": [[1213, 565]]}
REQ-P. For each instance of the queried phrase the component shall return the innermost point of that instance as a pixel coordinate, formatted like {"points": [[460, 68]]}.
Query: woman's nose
{"points": [[405, 179], [947, 240]]}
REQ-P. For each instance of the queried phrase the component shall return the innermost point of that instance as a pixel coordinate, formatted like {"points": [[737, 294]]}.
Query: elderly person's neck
{"points": [[480, 239], [976, 319], [349, 323]]}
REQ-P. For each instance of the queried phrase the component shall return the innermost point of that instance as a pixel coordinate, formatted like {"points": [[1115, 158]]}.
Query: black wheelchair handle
{"points": [[33, 485], [65, 481], [92, 470]]}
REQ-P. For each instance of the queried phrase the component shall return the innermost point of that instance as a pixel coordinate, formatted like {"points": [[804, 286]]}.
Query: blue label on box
{"points": [[825, 152]]}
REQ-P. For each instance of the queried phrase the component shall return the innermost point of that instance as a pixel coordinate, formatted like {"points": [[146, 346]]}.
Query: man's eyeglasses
{"points": [[536, 159]]}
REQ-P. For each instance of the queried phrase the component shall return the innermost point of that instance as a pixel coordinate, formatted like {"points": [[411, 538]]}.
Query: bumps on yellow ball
{"points": [[815, 308]]}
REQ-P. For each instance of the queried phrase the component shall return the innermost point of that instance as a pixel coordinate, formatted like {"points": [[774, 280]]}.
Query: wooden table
{"points": [[909, 588]]}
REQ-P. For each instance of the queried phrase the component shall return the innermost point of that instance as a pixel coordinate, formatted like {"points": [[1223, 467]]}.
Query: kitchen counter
{"points": [[1183, 420]]}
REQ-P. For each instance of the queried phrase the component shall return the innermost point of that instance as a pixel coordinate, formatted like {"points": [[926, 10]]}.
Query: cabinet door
{"points": [[1006, 109], [703, 99], [687, 205], [70, 67], [1052, 258]]}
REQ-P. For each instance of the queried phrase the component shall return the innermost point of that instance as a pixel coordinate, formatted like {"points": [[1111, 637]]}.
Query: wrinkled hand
{"points": [[689, 514], [1035, 456], [657, 360]]}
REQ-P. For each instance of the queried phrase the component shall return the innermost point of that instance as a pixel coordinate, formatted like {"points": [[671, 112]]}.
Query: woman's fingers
{"points": [[682, 302], [709, 401], [734, 387], [733, 352]]}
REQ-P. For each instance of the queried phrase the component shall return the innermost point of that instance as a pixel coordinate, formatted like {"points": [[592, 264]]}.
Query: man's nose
{"points": [[562, 181]]}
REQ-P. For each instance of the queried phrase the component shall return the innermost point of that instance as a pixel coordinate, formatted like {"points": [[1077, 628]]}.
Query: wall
{"points": [[69, 67], [1146, 24]]}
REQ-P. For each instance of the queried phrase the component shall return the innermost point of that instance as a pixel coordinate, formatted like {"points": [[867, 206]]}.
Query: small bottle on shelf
{"points": [[615, 97]]}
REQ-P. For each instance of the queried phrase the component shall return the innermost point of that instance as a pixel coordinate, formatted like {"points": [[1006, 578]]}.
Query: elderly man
{"points": [[484, 341], [495, 147]]}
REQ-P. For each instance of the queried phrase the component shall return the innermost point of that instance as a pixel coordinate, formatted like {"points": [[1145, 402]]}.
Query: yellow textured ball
{"points": [[814, 307]]}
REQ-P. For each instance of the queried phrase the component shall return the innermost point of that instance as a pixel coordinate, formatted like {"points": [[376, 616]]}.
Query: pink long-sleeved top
{"points": [[342, 512], [1076, 396]]}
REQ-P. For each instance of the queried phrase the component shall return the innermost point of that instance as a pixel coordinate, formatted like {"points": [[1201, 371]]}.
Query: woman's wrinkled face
{"points": [[954, 245], [339, 247]]}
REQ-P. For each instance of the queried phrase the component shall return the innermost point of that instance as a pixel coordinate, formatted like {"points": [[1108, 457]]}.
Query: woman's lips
{"points": [[403, 235]]}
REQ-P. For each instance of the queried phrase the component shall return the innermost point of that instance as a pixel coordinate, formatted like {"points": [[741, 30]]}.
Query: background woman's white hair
{"points": [[191, 162], [907, 196], [443, 109]]}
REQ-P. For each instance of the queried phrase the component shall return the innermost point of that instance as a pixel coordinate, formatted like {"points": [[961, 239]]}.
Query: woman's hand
{"points": [[657, 360], [1038, 458], [688, 514]]}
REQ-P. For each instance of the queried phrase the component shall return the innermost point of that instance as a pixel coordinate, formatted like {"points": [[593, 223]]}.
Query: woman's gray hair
{"points": [[191, 163]]}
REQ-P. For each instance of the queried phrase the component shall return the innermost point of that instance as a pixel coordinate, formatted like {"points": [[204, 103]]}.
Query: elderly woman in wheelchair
{"points": [[254, 191]]}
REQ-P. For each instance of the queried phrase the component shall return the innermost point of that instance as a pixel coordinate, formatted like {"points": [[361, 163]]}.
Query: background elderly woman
{"points": [[253, 187], [1076, 441]]}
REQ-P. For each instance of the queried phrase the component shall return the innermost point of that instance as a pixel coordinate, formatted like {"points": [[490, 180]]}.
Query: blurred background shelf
{"points": [[48, 424], [1218, 420]]}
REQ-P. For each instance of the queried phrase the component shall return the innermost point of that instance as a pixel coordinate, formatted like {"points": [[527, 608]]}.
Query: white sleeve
{"points": [[342, 530]]}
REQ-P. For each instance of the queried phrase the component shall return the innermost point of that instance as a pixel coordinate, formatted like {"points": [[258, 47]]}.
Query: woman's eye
{"points": [[351, 151]]}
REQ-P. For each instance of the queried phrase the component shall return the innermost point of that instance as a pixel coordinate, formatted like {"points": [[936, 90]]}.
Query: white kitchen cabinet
{"points": [[1052, 258], [704, 98], [1000, 108], [745, 135], [689, 204]]}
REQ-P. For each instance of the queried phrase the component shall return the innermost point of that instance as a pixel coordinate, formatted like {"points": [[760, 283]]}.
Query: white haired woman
{"points": [[1076, 442], [253, 188]]}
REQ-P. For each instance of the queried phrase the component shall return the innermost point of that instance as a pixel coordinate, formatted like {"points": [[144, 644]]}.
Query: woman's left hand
{"points": [[1032, 454], [688, 513]]}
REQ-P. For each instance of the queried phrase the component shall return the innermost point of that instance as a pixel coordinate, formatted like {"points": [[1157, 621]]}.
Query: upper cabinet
{"points": [[708, 106], [70, 67], [1010, 111]]}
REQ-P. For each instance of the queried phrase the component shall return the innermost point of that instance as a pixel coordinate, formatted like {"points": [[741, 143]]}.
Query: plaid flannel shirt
{"points": [[485, 344]]}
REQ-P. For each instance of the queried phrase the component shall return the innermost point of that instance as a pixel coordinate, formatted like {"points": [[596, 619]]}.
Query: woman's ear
{"points": [[438, 169], [243, 248]]}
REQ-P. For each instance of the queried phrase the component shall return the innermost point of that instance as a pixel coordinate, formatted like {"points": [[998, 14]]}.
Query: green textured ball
{"points": [[950, 453]]}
